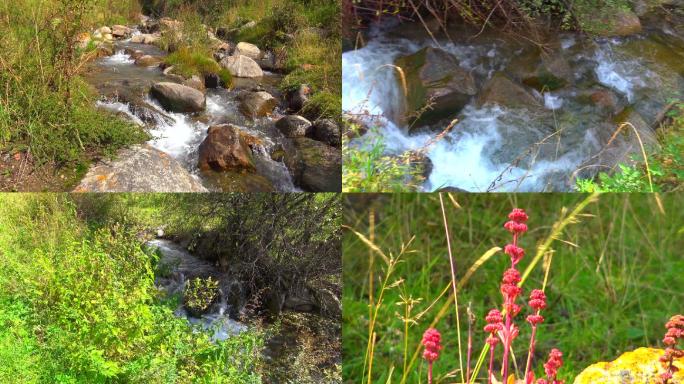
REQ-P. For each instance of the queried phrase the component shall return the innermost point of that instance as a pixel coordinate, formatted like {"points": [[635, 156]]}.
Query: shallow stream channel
{"points": [[513, 115]]}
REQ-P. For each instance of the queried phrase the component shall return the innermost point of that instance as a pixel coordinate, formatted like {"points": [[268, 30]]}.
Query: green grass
{"points": [[188, 63], [46, 109], [665, 164], [612, 282], [79, 305]]}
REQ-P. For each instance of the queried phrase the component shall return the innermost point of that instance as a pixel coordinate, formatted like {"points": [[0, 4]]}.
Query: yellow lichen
{"points": [[640, 366]]}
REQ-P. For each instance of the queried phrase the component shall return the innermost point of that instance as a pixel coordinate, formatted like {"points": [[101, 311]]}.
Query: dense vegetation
{"points": [[48, 119], [78, 301], [610, 276], [47, 113]]}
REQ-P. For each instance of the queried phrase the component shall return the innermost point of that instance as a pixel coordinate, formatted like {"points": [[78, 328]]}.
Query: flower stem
{"points": [[507, 345], [491, 365], [429, 373], [470, 343], [530, 353]]}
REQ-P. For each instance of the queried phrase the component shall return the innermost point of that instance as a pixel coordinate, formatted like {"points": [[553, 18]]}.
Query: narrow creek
{"points": [[513, 135], [179, 266], [124, 87]]}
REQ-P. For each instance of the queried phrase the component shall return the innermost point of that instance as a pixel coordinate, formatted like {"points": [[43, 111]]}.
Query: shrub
{"points": [[200, 294]]}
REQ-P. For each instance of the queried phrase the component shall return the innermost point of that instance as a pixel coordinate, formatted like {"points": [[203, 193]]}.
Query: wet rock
{"points": [[248, 50], [238, 182], [293, 126], [222, 51], [318, 166], [135, 54], [327, 131], [541, 71], [148, 61], [297, 98], [104, 50], [178, 98], [271, 62], [225, 149], [212, 80], [505, 92], [641, 366], [621, 23], [145, 38], [434, 76], [196, 83], [121, 31], [605, 99], [139, 168], [257, 104], [242, 66]]}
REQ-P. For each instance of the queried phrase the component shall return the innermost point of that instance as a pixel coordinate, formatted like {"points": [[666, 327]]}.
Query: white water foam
{"points": [[552, 102], [179, 138], [117, 107], [119, 58]]}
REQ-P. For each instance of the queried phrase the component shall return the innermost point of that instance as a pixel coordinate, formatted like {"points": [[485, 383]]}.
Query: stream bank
{"points": [[529, 116], [302, 340], [244, 136]]}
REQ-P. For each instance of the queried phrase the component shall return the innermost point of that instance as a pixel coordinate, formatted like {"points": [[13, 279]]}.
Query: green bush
{"points": [[84, 308], [200, 294]]}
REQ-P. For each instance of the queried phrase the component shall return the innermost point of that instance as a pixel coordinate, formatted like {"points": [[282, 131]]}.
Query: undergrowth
{"points": [[79, 305]]}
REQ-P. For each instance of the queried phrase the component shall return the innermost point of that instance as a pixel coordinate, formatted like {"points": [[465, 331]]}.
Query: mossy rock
{"points": [[433, 75], [641, 366]]}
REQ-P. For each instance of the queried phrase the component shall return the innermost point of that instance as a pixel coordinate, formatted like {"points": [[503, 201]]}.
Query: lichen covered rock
{"points": [[640, 366]]}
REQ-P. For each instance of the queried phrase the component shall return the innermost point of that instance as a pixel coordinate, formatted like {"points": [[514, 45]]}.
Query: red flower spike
{"points": [[518, 215], [431, 342], [511, 276], [515, 227], [494, 316], [537, 299], [516, 253], [535, 319]]}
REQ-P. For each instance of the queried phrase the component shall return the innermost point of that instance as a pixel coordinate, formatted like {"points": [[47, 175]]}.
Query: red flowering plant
{"points": [[675, 333], [501, 326]]}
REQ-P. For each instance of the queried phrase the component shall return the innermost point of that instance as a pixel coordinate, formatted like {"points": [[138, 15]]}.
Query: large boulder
{"points": [[248, 50], [257, 104], [505, 92], [641, 366], [225, 149], [327, 131], [178, 98], [140, 168], [434, 76], [242, 66], [293, 126], [318, 167]]}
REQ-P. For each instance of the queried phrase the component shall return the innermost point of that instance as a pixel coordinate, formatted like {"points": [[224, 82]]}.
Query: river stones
{"points": [[257, 104], [178, 98], [248, 50], [225, 149], [433, 76], [317, 166], [641, 366], [505, 92], [297, 98], [148, 61], [242, 66], [541, 71], [195, 82], [327, 131], [121, 31], [140, 168], [145, 38], [293, 126]]}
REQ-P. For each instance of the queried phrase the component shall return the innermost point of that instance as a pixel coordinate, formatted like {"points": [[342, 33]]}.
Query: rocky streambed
{"points": [[308, 331], [206, 135], [531, 114]]}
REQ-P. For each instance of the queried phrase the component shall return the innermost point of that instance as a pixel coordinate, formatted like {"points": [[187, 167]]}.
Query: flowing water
{"points": [[180, 134], [494, 148]]}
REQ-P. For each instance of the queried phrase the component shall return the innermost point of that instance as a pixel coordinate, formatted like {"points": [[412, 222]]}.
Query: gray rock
{"points": [[178, 98], [248, 50], [293, 126], [327, 131], [242, 66], [297, 98], [140, 168], [505, 92], [318, 167]]}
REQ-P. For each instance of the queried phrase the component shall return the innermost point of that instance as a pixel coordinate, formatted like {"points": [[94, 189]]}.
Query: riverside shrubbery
{"points": [[79, 305], [46, 110]]}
